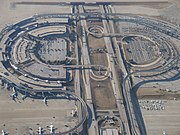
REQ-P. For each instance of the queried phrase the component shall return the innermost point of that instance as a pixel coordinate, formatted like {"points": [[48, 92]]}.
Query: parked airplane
{"points": [[4, 133], [51, 129], [164, 132], [14, 90], [13, 96], [45, 100], [40, 131]]}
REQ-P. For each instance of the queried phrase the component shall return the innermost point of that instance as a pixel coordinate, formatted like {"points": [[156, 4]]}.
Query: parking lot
{"points": [[140, 50]]}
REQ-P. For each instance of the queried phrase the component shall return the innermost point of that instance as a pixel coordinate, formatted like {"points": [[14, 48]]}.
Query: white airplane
{"points": [[4, 133], [45, 100], [14, 90], [51, 129], [20, 33], [13, 96], [40, 130], [16, 68], [164, 132]]}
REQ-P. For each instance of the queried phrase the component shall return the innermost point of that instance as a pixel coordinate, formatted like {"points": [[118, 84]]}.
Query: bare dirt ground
{"points": [[103, 96], [157, 5], [156, 93], [98, 58], [102, 92], [11, 14]]}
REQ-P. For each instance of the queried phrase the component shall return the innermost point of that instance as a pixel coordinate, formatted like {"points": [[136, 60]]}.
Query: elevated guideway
{"points": [[108, 28], [93, 129]]}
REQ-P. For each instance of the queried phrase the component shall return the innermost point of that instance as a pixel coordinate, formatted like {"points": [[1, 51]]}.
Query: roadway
{"points": [[107, 24], [77, 86], [93, 129], [167, 67], [109, 31]]}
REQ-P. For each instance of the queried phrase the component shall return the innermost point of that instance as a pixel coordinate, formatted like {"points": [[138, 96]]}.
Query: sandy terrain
{"points": [[10, 14], [103, 96]]}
